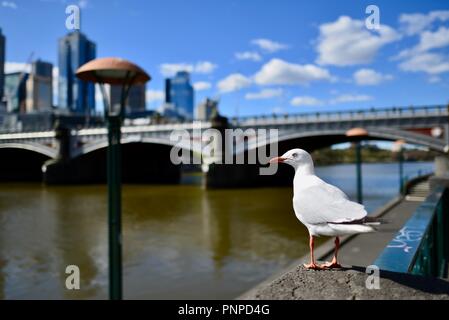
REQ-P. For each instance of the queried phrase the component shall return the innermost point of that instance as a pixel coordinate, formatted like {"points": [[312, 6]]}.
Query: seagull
{"points": [[324, 209]]}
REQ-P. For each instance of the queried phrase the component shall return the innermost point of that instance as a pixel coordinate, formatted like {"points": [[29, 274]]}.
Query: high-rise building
{"points": [[39, 87], [206, 109], [180, 93], [73, 94], [136, 97], [2, 64], [15, 91]]}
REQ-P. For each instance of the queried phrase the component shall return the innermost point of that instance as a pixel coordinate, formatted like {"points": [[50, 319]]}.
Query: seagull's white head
{"points": [[297, 158]]}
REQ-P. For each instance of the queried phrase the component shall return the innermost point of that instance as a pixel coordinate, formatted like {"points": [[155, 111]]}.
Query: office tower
{"points": [[181, 94], [2, 64], [39, 87], [73, 94], [136, 97], [206, 109], [15, 91]]}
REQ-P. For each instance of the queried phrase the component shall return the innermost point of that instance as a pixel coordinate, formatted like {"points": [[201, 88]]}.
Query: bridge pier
{"points": [[58, 170]]}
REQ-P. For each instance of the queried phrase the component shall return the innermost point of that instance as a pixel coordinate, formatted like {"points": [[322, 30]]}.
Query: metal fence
{"points": [[422, 245]]}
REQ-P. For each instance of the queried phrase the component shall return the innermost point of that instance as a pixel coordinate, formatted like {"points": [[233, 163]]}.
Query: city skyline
{"points": [[288, 66]]}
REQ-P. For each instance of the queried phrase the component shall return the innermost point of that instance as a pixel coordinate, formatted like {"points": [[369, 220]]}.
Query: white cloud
{"points": [[347, 42], [430, 63], [280, 72], [369, 77], [9, 4], [154, 95], [264, 94], [202, 85], [422, 57], [268, 45], [248, 55], [233, 82], [305, 101], [11, 67], [202, 67], [344, 98], [432, 40], [415, 23]]}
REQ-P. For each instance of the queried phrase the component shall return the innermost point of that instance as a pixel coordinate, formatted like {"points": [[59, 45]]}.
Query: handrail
{"points": [[352, 114], [421, 246]]}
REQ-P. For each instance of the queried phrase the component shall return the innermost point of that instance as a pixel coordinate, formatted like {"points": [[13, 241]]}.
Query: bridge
{"points": [[65, 155]]}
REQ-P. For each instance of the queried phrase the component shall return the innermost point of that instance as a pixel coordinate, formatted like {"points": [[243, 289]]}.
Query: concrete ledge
{"points": [[348, 284]]}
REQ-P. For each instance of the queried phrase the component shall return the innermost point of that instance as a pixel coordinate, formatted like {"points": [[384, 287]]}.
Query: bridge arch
{"points": [[313, 140], [23, 162], [145, 160]]}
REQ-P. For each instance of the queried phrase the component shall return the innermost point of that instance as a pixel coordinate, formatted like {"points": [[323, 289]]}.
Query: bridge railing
{"points": [[362, 114], [422, 245]]}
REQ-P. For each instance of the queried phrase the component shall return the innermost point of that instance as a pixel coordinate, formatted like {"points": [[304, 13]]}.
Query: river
{"points": [[180, 242]]}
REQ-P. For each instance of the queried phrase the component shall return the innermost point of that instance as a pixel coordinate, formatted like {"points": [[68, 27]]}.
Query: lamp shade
{"points": [[356, 132], [112, 71]]}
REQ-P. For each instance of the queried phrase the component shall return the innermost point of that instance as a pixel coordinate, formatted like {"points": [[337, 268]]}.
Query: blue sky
{"points": [[258, 57]]}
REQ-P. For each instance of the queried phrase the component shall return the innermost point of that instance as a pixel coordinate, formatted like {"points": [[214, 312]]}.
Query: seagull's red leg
{"points": [[312, 264], [333, 263]]}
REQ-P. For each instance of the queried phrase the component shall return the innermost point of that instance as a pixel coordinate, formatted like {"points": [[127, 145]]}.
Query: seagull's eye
{"points": [[295, 155]]}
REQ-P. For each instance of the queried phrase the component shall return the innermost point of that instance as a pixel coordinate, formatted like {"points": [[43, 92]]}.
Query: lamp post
{"points": [[358, 134], [398, 147], [114, 71]]}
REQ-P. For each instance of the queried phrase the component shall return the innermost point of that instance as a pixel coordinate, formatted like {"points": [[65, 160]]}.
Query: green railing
{"points": [[422, 245]]}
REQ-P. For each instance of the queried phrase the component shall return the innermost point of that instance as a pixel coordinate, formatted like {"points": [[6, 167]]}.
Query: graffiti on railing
{"points": [[406, 239]]}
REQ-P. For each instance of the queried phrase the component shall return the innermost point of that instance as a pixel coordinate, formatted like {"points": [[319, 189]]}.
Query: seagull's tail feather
{"points": [[351, 228]]}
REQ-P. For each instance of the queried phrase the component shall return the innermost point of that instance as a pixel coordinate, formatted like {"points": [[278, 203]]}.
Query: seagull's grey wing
{"points": [[324, 203]]}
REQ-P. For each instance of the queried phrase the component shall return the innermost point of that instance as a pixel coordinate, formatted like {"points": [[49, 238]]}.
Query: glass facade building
{"points": [[15, 91], [39, 93], [73, 94], [2, 64], [182, 94], [136, 98]]}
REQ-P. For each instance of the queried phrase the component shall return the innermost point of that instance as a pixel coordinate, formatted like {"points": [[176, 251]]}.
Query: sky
{"points": [[257, 56]]}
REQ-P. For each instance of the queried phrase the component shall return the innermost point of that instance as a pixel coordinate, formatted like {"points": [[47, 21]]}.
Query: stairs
{"points": [[419, 191]]}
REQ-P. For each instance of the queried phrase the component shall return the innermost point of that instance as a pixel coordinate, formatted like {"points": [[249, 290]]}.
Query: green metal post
{"points": [[401, 171], [114, 202], [358, 155]]}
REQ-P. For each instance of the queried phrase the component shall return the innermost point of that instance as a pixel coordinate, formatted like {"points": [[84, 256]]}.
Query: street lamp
{"points": [[398, 146], [114, 71], [358, 134]]}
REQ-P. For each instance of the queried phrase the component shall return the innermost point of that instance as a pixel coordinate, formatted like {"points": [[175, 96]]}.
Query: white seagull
{"points": [[323, 208]]}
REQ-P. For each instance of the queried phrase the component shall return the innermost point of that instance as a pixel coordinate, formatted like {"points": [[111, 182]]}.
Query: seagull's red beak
{"points": [[277, 160]]}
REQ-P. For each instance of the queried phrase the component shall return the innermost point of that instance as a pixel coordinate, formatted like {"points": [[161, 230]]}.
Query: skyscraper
{"points": [[73, 94], [2, 64], [136, 97], [206, 109], [181, 94], [15, 91], [39, 87]]}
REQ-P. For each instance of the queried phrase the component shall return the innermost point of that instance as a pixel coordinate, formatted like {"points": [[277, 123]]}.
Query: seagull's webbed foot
{"points": [[331, 265], [313, 266]]}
